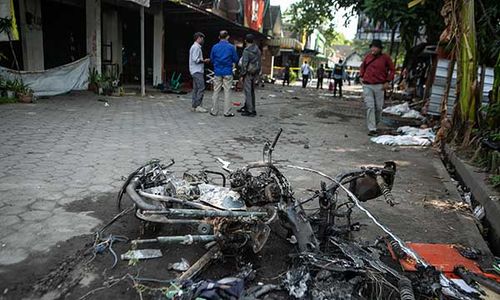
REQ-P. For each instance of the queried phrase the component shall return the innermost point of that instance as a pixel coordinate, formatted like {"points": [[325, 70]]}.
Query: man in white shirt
{"points": [[197, 70], [306, 71]]}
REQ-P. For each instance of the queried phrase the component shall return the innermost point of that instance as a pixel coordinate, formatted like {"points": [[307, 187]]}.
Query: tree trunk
{"points": [[466, 108], [393, 35]]}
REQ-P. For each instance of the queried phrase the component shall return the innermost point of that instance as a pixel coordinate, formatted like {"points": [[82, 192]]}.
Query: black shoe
{"points": [[249, 114], [240, 110], [229, 115], [372, 133]]}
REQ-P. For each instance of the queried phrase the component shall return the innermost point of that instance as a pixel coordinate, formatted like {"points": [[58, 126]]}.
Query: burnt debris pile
{"points": [[235, 211]]}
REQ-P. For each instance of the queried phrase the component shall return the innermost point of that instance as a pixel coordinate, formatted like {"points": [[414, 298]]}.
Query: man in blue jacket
{"points": [[223, 56]]}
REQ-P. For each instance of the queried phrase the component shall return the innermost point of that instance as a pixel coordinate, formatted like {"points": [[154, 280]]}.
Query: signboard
{"points": [[254, 14]]}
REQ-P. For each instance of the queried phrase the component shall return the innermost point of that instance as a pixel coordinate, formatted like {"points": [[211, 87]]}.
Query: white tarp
{"points": [[404, 111], [55, 81], [410, 136]]}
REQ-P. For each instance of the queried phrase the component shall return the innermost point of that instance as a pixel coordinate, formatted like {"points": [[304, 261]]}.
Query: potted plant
{"points": [[94, 79], [24, 93], [3, 89], [106, 85], [11, 86]]}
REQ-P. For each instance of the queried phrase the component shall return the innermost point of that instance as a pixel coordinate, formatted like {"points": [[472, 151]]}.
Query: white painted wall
{"points": [[158, 48], [31, 35], [93, 19]]}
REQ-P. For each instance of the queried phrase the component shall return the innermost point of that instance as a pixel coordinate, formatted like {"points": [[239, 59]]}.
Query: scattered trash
{"points": [[413, 131], [141, 254], [306, 146], [180, 266], [404, 111], [479, 212], [327, 263], [401, 140], [413, 114], [296, 281], [272, 96], [410, 136], [467, 197], [100, 245], [468, 252], [106, 104]]}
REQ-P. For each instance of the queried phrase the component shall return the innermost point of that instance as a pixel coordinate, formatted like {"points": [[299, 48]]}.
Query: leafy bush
{"points": [[495, 180]]}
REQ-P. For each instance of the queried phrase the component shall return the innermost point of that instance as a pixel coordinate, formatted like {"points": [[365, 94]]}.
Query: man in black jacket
{"points": [[250, 69]]}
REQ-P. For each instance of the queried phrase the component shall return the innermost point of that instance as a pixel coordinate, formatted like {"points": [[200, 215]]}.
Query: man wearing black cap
{"points": [[250, 69], [197, 70], [376, 71]]}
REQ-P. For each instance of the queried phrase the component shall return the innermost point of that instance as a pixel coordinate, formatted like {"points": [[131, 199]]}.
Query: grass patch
{"points": [[5, 100], [495, 181]]}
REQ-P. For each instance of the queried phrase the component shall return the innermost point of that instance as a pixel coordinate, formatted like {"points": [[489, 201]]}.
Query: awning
{"points": [[141, 2], [286, 43], [185, 12]]}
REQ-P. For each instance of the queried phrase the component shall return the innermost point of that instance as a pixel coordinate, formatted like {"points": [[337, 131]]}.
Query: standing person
{"points": [[306, 71], [320, 74], [250, 69], [347, 76], [286, 75], [223, 56], [197, 70], [376, 71], [338, 76]]}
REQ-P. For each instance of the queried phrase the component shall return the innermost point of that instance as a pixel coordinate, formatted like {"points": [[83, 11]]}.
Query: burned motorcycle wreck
{"points": [[238, 212], [234, 211]]}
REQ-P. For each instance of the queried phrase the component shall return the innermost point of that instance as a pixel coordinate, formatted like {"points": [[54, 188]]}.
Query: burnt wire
{"points": [[100, 244]]}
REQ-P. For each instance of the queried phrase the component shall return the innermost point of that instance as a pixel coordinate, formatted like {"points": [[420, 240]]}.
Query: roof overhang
{"points": [[181, 11], [286, 43]]}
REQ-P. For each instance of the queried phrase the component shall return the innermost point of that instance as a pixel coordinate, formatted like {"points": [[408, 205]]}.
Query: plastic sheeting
{"points": [[410, 136], [404, 111], [55, 81]]}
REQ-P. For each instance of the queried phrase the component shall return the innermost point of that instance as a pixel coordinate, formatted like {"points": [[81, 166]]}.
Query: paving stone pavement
{"points": [[72, 147]]}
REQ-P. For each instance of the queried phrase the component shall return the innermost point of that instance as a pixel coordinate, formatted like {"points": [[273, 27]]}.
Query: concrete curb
{"points": [[482, 193], [468, 225]]}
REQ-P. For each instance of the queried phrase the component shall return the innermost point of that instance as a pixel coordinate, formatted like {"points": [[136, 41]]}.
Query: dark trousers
{"points": [[335, 83], [320, 83], [305, 79], [249, 90], [198, 89], [286, 79]]}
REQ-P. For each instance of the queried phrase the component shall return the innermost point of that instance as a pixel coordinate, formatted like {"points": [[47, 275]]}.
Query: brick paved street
{"points": [[73, 147]]}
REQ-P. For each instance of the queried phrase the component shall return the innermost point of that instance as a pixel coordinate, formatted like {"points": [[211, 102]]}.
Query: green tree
{"points": [[333, 37], [307, 15]]}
